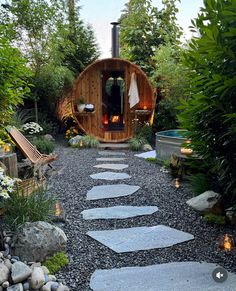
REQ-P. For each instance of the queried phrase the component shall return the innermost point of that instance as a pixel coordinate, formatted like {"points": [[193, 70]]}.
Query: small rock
{"points": [[52, 278], [46, 279], [15, 258], [34, 265], [75, 140], [1, 255], [37, 278], [47, 287], [45, 270], [63, 288], [8, 263], [20, 272], [54, 286], [17, 287], [5, 284], [4, 273], [13, 261], [26, 286], [147, 147]]}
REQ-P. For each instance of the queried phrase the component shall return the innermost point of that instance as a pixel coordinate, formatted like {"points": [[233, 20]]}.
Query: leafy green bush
{"points": [[137, 143], [213, 218], [22, 208], [44, 145], [56, 262], [209, 114], [200, 183], [166, 115], [89, 141], [144, 131]]}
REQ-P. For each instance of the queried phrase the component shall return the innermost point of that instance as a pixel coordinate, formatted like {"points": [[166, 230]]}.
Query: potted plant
{"points": [[80, 104]]}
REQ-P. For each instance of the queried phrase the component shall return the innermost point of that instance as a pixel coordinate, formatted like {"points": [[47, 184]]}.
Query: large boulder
{"points": [[205, 202], [37, 241]]}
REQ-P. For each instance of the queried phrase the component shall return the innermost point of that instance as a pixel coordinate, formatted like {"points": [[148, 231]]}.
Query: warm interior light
{"points": [[177, 183], [145, 107], [228, 242], [58, 209], [105, 119], [115, 118]]}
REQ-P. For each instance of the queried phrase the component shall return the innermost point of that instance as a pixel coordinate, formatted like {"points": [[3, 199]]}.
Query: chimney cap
{"points": [[115, 23]]}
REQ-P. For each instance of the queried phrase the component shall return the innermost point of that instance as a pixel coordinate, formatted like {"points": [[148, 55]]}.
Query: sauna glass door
{"points": [[113, 89]]}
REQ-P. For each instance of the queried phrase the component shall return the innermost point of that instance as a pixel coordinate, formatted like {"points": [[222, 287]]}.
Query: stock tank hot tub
{"points": [[169, 142]]}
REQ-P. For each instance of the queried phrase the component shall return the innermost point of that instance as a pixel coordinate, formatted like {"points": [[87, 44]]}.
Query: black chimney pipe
{"points": [[115, 39]]}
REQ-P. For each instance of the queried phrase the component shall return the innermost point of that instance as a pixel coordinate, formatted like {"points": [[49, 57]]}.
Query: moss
{"points": [[213, 218], [56, 262], [152, 160]]}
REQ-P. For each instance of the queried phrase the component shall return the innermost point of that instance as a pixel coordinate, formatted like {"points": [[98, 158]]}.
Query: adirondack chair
{"points": [[30, 151]]}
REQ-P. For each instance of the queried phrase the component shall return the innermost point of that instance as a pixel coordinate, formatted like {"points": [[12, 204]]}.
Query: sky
{"points": [[99, 14]]}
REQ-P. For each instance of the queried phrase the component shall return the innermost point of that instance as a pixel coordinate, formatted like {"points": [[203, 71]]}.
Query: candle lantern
{"points": [[227, 243], [7, 148], [58, 209], [177, 183]]}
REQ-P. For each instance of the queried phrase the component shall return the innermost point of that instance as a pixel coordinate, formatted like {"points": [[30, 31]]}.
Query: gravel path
{"points": [[86, 254]]}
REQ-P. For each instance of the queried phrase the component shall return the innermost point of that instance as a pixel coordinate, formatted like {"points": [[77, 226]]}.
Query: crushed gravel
{"points": [[86, 254]]}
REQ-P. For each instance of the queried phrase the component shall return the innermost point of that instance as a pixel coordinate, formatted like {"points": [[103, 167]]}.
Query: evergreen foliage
{"points": [[210, 113]]}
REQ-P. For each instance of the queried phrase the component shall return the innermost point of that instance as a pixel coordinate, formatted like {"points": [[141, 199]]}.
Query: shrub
{"points": [[200, 183], [209, 113], [213, 218], [89, 141], [38, 206], [44, 145], [137, 143], [144, 131], [166, 115], [56, 262]]}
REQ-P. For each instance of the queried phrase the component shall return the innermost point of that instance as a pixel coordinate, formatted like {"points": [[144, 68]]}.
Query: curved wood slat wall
{"points": [[89, 85]]}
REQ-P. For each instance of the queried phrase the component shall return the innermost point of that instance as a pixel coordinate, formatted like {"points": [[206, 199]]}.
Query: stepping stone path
{"points": [[140, 238], [112, 166], [111, 191], [118, 212], [111, 153], [110, 176], [110, 159], [150, 154], [177, 276]]}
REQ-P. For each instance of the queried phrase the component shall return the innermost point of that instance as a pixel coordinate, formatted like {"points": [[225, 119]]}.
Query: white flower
{"points": [[4, 194]]}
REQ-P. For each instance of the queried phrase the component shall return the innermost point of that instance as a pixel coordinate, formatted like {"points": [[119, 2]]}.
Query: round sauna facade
{"points": [[120, 94]]}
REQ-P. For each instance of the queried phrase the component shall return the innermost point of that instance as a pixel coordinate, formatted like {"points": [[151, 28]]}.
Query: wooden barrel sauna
{"points": [[105, 84]]}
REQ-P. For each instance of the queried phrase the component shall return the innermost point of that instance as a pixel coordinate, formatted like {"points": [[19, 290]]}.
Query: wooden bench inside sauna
{"points": [[107, 85]]}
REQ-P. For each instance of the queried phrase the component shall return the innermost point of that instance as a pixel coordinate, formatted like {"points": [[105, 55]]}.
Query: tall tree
{"points": [[13, 76], [144, 28]]}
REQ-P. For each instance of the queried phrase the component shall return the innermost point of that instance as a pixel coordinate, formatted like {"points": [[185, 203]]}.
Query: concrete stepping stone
{"points": [[176, 276], [110, 176], [111, 191], [118, 212], [110, 159], [112, 166], [150, 154], [111, 153], [140, 238]]}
